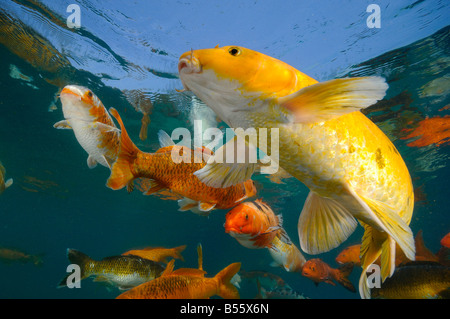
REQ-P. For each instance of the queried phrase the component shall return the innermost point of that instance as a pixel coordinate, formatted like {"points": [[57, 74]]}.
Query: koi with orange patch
{"points": [[158, 254], [319, 271], [253, 224], [187, 283], [178, 176], [93, 126], [286, 254]]}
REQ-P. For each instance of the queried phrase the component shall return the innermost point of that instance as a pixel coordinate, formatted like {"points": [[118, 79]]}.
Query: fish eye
{"points": [[234, 51], [246, 216], [89, 93]]}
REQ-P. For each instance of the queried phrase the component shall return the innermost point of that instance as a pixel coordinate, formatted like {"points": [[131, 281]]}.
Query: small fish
{"points": [[4, 185], [93, 126], [416, 280], [285, 254], [124, 272], [253, 224], [354, 172], [143, 104], [187, 283], [285, 292], [319, 271], [266, 279], [349, 255], [179, 177], [158, 254], [8, 255]]}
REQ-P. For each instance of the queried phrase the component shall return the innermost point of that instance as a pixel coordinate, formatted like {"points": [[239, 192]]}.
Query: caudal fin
{"points": [[121, 174], [78, 258], [342, 274], [226, 289], [177, 252]]}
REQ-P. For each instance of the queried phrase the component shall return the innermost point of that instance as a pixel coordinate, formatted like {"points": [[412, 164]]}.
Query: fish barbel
{"points": [[352, 169]]}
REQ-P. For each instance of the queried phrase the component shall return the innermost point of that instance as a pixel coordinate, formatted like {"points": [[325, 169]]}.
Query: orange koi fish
{"points": [[253, 224], [177, 176], [349, 255], [187, 283], [94, 128], [317, 270], [353, 171], [286, 254], [158, 254]]}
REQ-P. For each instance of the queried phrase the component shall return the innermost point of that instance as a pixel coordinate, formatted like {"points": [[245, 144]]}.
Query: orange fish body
{"points": [[286, 254], [158, 254], [253, 224], [349, 255], [187, 283], [318, 271], [178, 176]]}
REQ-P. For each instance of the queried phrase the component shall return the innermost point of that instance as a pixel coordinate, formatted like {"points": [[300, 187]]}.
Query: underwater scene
{"points": [[210, 149]]}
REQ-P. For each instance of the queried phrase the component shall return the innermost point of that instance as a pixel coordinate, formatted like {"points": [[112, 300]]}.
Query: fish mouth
{"points": [[188, 64], [70, 91]]}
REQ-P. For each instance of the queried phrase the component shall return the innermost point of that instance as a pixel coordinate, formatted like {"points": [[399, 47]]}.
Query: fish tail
{"points": [[375, 244], [78, 258], [38, 260], [177, 252], [121, 173], [341, 276], [226, 289]]}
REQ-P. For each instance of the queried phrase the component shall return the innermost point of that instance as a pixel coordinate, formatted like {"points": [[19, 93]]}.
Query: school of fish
{"points": [[353, 171]]}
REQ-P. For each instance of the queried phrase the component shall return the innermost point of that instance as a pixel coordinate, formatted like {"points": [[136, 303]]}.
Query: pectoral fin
{"points": [[91, 162], [164, 139], [222, 171], [62, 125], [8, 183], [323, 224], [154, 187], [327, 100], [105, 128]]}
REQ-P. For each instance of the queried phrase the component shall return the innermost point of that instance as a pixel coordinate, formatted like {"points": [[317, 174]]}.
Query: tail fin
{"points": [[78, 258], [121, 174], [375, 244], [342, 274], [177, 252], [37, 259], [226, 288]]}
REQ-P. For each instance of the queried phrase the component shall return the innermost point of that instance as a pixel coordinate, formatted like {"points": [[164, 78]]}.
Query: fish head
{"points": [[233, 78], [312, 269], [81, 103], [240, 220]]}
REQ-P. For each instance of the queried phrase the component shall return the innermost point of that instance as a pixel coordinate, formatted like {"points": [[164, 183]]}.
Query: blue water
{"points": [[57, 202]]}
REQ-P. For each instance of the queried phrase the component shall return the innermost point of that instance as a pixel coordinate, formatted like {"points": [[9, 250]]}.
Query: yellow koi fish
{"points": [[352, 169], [91, 123]]}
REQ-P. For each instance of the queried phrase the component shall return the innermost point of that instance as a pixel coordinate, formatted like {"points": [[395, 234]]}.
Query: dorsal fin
{"points": [[169, 268]]}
